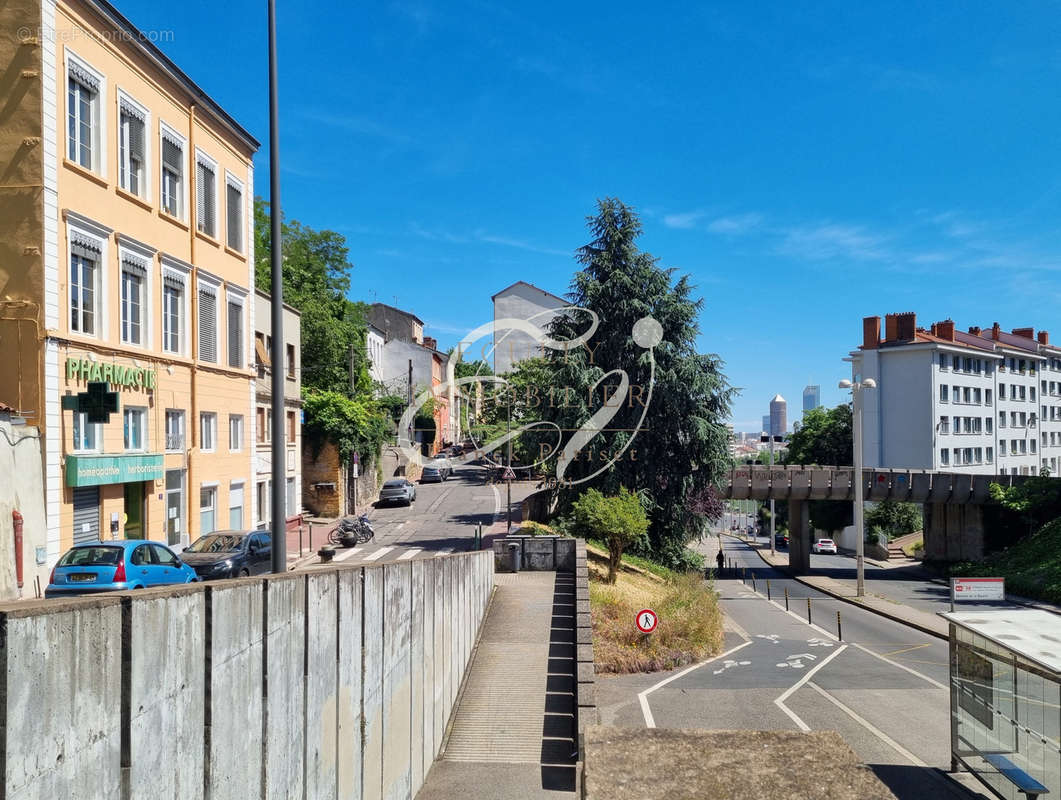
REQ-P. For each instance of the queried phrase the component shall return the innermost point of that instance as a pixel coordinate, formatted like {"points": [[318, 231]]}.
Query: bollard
{"points": [[513, 552], [839, 630], [744, 576], [753, 582], [808, 612], [768, 590], [300, 538], [311, 536], [786, 598]]}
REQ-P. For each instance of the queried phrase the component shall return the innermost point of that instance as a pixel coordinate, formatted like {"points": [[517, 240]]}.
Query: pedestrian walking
{"points": [[721, 559]]}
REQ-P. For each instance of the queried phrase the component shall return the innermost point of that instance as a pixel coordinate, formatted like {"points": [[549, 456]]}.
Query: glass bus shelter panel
{"points": [[1007, 707]]}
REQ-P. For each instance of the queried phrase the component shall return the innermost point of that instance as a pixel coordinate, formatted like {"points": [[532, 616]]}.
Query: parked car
{"points": [[115, 566], [437, 470], [825, 546], [780, 540], [398, 490], [230, 554]]}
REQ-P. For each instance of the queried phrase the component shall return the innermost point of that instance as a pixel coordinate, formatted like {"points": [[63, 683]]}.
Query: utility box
{"points": [[1005, 699]]}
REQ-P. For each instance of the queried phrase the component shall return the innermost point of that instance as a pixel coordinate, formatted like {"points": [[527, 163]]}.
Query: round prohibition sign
{"points": [[647, 620]]}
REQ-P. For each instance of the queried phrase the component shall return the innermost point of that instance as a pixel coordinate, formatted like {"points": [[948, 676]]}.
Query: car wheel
{"points": [[244, 573]]}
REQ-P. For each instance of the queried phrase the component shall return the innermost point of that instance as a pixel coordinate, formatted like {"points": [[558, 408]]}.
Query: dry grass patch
{"points": [[690, 621]]}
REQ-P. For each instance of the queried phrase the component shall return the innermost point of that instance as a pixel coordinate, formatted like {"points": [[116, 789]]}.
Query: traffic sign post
{"points": [[647, 620], [976, 589]]}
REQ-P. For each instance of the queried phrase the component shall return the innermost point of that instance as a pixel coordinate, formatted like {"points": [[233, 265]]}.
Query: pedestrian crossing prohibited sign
{"points": [[647, 620]]}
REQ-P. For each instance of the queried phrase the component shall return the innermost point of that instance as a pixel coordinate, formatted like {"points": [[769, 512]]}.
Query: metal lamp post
{"points": [[276, 380], [856, 388]]}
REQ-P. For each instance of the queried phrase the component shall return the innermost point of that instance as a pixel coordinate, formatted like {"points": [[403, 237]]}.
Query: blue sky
{"points": [[807, 167]]}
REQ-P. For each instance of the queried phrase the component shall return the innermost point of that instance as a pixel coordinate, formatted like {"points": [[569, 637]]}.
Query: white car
{"points": [[825, 546]]}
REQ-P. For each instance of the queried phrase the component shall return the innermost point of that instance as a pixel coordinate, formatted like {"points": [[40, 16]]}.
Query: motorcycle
{"points": [[352, 531]]}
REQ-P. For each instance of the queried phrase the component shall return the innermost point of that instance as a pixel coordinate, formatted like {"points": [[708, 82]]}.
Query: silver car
{"points": [[398, 490], [437, 470]]}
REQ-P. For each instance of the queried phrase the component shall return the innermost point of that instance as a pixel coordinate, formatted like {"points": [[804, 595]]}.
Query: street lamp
{"points": [[856, 388]]}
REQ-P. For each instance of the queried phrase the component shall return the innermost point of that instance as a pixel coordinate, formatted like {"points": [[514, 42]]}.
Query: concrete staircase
{"points": [[895, 546], [513, 732]]}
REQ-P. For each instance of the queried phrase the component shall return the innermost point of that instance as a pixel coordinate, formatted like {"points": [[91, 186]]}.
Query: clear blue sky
{"points": [[807, 166]]}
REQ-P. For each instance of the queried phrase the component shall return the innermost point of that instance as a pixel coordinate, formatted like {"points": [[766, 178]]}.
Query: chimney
{"points": [[1024, 333], [995, 331], [431, 343], [945, 330], [975, 330], [906, 324], [870, 333], [1044, 337], [891, 329]]}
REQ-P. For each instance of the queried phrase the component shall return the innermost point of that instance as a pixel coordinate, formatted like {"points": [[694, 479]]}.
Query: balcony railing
{"points": [[174, 441]]}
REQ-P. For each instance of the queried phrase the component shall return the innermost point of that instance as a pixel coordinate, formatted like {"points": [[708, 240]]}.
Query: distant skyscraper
{"points": [[812, 397], [766, 423], [778, 416]]}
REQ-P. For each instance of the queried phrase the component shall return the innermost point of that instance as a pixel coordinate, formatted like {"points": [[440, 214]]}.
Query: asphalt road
{"points": [[882, 686], [442, 520]]}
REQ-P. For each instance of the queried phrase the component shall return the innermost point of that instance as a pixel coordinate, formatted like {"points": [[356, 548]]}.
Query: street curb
{"points": [[852, 601]]}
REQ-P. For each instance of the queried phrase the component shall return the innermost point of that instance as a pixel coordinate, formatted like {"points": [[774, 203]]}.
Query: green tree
{"points": [[894, 518], [683, 448], [824, 438], [619, 520], [316, 273]]}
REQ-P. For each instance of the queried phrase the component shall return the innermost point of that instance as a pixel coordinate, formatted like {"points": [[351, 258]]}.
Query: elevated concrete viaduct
{"points": [[954, 526]]}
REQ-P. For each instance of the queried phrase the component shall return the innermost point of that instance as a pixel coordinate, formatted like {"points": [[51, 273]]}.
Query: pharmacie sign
{"points": [[81, 369], [96, 470]]}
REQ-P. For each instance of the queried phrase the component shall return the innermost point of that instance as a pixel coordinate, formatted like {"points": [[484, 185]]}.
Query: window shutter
{"points": [[85, 247], [84, 77], [205, 210], [235, 335], [207, 326], [235, 217], [172, 155]]}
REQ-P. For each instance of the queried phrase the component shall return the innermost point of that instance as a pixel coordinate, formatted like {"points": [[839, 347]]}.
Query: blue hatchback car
{"points": [[115, 566]]}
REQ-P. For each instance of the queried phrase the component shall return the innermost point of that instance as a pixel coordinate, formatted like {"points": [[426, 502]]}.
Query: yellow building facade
{"points": [[126, 280]]}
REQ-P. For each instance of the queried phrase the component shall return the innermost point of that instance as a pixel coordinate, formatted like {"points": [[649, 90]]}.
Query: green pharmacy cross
{"points": [[98, 402]]}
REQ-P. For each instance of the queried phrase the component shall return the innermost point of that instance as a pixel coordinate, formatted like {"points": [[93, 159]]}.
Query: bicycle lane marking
{"points": [[780, 701]]}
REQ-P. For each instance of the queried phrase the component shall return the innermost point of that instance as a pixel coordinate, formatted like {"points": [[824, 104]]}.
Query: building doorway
{"points": [[134, 510], [86, 514], [175, 507]]}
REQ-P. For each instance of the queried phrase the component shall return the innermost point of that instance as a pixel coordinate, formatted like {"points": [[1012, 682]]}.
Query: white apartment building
{"points": [[982, 401]]}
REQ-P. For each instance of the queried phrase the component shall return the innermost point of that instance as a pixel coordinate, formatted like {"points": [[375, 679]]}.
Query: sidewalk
{"points": [[905, 592], [512, 734]]}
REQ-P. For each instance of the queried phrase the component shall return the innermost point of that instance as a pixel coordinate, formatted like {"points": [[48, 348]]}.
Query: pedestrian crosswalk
{"points": [[389, 553]]}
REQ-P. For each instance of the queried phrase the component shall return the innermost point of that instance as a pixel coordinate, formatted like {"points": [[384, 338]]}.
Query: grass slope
{"points": [[1032, 567], [690, 621]]}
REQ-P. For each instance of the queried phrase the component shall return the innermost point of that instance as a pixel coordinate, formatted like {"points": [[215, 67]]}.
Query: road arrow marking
{"points": [[799, 656]]}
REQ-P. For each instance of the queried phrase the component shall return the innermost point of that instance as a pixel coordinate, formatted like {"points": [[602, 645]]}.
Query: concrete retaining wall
{"points": [[537, 553], [334, 683]]}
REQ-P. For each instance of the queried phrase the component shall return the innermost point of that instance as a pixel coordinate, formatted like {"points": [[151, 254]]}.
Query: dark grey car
{"points": [[437, 470], [398, 490]]}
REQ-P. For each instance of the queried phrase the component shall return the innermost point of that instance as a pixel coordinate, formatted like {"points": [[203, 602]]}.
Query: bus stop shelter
{"points": [[1005, 699]]}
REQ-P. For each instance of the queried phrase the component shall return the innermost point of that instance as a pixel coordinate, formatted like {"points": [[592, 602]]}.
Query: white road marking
{"points": [[901, 666], [348, 554], [409, 554], [378, 554], [643, 696], [444, 551], [917, 762], [780, 701]]}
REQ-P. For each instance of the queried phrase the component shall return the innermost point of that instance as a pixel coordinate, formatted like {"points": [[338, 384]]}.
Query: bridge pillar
{"points": [[954, 532], [799, 534]]}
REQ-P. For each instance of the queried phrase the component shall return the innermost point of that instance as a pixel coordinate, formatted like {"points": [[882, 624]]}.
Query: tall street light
{"points": [[276, 385], [856, 388]]}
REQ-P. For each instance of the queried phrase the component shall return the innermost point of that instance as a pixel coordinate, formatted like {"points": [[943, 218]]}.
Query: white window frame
{"points": [[145, 179], [238, 418], [180, 414], [99, 235], [165, 131], [97, 434], [237, 296], [208, 283], [142, 412], [99, 122], [242, 485], [183, 271], [211, 418], [236, 183], [202, 158], [210, 488]]}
